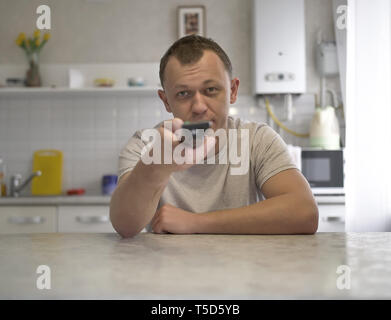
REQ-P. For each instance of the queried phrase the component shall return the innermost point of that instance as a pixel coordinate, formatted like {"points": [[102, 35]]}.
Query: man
{"points": [[272, 197]]}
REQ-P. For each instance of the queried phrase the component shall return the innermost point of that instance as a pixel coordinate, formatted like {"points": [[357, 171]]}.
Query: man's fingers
{"points": [[210, 142], [157, 227], [176, 124], [168, 130], [156, 215], [207, 146], [191, 155]]}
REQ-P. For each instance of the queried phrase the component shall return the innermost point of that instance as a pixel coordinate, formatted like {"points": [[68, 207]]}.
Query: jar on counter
{"points": [[109, 183]]}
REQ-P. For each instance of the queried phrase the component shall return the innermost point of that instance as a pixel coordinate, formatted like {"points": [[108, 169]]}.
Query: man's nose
{"points": [[198, 103]]}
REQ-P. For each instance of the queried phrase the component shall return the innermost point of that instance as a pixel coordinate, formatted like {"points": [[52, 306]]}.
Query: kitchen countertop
{"points": [[154, 266], [105, 200], [56, 200]]}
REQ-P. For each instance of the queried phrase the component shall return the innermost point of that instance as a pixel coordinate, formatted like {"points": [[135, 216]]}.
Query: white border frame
{"points": [[182, 10]]}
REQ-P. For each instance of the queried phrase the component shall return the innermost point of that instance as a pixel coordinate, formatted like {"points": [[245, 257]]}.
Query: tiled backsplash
{"points": [[91, 129]]}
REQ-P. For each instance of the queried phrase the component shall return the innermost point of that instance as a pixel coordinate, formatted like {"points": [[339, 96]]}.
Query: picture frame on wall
{"points": [[191, 20]]}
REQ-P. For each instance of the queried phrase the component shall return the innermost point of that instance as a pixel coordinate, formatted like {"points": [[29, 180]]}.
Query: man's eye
{"points": [[182, 94], [211, 90]]}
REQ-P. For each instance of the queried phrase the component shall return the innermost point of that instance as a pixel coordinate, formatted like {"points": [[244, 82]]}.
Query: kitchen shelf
{"points": [[144, 90]]}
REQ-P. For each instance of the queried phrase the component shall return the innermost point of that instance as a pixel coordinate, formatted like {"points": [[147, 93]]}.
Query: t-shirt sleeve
{"points": [[270, 154], [130, 154]]}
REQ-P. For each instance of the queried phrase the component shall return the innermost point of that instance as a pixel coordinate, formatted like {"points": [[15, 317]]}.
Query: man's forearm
{"points": [[284, 214], [136, 198]]}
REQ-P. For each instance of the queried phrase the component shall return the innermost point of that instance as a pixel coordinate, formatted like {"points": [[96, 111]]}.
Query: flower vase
{"points": [[33, 78]]}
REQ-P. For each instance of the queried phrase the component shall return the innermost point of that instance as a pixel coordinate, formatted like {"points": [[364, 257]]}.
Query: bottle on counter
{"points": [[3, 185]]}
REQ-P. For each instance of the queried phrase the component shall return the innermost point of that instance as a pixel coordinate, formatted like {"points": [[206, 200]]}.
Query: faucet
{"points": [[16, 183]]}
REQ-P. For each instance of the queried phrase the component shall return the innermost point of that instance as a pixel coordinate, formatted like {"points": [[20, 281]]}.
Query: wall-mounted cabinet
{"points": [[279, 56]]}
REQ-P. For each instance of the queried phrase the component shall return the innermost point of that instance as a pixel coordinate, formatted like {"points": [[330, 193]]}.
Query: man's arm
{"points": [[136, 198], [289, 208], [134, 201]]}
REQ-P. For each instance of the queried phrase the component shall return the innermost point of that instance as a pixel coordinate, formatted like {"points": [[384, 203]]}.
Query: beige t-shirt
{"points": [[211, 187]]}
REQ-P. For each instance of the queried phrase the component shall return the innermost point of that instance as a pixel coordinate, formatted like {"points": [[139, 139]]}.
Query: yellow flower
{"points": [[37, 33], [46, 36], [21, 37], [37, 42]]}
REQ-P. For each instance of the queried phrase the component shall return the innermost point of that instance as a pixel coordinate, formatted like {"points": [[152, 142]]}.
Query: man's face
{"points": [[200, 91]]}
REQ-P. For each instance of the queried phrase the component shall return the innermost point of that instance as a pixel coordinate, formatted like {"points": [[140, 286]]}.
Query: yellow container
{"points": [[50, 163]]}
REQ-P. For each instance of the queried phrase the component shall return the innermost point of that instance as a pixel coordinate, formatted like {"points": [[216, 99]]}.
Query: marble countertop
{"points": [[153, 266]]}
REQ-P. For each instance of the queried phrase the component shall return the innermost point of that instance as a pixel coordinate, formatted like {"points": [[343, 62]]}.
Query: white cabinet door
{"points": [[84, 219], [27, 219], [331, 218]]}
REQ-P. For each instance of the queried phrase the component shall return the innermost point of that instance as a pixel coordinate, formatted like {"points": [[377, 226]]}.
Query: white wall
{"points": [[124, 31], [91, 129], [368, 155]]}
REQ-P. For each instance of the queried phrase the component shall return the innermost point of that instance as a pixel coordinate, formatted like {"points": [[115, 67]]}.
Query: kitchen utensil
{"points": [[50, 163], [104, 82], [324, 129], [76, 192], [138, 81]]}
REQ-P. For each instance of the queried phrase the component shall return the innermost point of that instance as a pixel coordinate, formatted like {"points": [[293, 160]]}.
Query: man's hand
{"points": [[169, 135], [170, 219]]}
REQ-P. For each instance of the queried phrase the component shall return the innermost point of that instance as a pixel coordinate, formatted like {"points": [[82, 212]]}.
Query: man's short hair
{"points": [[190, 49]]}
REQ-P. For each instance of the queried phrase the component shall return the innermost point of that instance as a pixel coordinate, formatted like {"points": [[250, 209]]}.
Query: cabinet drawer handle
{"points": [[92, 219], [332, 219], [27, 220]]}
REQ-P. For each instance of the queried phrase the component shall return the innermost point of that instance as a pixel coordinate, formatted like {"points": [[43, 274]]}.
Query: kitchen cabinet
{"points": [[22, 219], [91, 214], [55, 218], [84, 219], [331, 217]]}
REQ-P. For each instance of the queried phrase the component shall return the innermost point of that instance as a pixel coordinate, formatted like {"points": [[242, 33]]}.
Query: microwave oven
{"points": [[324, 170]]}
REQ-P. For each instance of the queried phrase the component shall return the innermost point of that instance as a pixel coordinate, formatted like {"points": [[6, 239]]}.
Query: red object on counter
{"points": [[75, 192]]}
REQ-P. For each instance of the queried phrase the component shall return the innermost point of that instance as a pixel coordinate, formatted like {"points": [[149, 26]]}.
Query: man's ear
{"points": [[163, 97], [234, 90]]}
